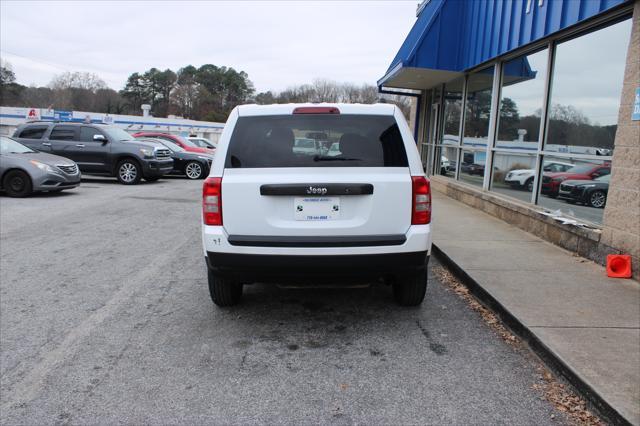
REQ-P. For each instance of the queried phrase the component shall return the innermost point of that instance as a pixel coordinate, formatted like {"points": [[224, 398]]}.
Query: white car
{"points": [[523, 178], [306, 146], [202, 142], [444, 165], [272, 215]]}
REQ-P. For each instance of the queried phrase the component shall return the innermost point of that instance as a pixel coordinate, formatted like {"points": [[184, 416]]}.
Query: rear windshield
{"points": [[316, 141]]}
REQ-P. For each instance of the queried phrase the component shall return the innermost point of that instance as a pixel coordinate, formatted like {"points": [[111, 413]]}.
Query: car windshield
{"points": [[9, 146], [305, 143], [117, 134], [186, 141], [172, 146], [582, 169], [604, 178]]}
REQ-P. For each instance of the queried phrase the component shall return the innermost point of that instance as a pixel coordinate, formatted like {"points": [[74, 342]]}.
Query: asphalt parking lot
{"points": [[106, 318]]}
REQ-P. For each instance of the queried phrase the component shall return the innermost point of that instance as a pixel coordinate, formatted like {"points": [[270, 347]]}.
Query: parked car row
{"points": [[587, 184], [49, 156]]}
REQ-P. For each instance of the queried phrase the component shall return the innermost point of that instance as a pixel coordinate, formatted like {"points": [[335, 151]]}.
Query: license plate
{"points": [[316, 208]]}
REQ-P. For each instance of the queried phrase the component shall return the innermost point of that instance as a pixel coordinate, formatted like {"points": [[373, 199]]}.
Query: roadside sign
{"points": [[635, 115], [62, 115], [107, 119], [33, 114]]}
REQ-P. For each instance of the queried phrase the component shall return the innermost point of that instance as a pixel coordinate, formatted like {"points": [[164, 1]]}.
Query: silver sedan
{"points": [[24, 170]]}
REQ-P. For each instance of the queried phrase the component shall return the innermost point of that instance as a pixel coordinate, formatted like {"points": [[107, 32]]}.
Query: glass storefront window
{"points": [[472, 165], [452, 112], [523, 81], [478, 108], [513, 175], [585, 91], [579, 191]]}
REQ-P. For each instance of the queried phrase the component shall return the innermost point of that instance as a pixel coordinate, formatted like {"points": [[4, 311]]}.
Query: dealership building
{"points": [[530, 110]]}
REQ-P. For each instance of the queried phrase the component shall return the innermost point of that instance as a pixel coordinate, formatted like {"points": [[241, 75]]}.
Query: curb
{"points": [[549, 357]]}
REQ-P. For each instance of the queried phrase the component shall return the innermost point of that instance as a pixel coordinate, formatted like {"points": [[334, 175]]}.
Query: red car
{"points": [[551, 181], [178, 140]]}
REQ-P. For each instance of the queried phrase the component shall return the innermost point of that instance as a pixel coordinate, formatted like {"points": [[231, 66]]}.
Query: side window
{"points": [[33, 132], [87, 133], [603, 171], [63, 133]]}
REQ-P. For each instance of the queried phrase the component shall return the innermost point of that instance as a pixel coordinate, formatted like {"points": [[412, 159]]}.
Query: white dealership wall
{"points": [[12, 117]]}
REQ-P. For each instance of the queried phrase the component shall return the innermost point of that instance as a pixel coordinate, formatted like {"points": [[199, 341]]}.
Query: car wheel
{"points": [[128, 172], [410, 291], [223, 291], [598, 199], [529, 185], [17, 183], [194, 170]]}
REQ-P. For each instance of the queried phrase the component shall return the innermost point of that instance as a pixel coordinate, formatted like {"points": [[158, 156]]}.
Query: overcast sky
{"points": [[278, 44]]}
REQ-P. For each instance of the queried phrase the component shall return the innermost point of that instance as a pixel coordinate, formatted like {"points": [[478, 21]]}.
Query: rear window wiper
{"points": [[319, 158]]}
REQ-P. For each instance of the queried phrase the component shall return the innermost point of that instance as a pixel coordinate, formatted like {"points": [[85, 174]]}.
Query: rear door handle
{"points": [[80, 145], [46, 144]]}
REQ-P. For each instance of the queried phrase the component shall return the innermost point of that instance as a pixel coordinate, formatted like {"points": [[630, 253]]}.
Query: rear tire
{"points": [[17, 184], [223, 291], [194, 170], [410, 291]]}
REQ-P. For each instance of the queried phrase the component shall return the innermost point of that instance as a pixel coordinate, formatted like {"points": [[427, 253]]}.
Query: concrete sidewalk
{"points": [[585, 324]]}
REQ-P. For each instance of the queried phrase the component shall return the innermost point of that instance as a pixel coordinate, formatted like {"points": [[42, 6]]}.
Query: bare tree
{"points": [[369, 94], [77, 80], [326, 90]]}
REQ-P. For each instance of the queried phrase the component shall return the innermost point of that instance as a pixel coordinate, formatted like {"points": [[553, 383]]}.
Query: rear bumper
{"points": [[417, 239], [279, 268]]}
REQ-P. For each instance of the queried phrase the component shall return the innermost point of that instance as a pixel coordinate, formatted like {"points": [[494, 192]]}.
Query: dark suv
{"points": [[99, 149]]}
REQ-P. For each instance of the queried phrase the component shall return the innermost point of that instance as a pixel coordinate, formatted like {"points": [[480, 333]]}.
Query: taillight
{"points": [[421, 197], [316, 110], [212, 201]]}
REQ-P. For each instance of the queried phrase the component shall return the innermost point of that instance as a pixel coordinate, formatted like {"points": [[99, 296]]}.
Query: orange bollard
{"points": [[619, 266]]}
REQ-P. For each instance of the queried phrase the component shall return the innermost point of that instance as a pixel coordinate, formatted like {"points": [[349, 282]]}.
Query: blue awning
{"points": [[451, 37], [429, 54]]}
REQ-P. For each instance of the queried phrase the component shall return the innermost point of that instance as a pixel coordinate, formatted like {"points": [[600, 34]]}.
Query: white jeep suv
{"points": [[523, 178], [273, 214]]}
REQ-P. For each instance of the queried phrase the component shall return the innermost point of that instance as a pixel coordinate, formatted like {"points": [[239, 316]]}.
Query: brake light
{"points": [[316, 110], [212, 201], [421, 201]]}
